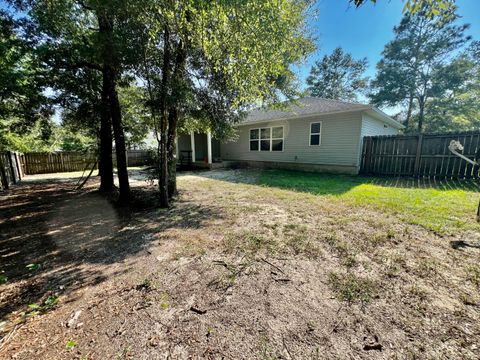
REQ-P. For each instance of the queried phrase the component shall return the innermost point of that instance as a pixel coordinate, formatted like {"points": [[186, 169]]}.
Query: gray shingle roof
{"points": [[303, 107]]}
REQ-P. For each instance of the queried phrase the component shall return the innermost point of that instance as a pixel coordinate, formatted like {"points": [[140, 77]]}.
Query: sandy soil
{"points": [[233, 270]]}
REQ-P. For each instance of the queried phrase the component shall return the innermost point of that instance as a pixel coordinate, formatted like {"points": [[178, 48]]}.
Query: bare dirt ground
{"points": [[233, 270]]}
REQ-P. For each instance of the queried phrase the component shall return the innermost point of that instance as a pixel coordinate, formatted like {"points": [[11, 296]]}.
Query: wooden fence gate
{"points": [[424, 155]]}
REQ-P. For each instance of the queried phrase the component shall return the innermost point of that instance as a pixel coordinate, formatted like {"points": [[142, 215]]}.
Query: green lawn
{"points": [[444, 206]]}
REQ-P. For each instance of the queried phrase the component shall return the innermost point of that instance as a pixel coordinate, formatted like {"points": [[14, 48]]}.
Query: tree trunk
{"points": [[163, 158], [105, 166], [118, 133], [421, 114], [177, 79], [105, 23], [409, 112], [171, 151]]}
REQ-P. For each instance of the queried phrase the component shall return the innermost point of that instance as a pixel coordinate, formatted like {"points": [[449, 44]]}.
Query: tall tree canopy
{"points": [[24, 109], [455, 106], [199, 62], [209, 60], [408, 73], [338, 76]]}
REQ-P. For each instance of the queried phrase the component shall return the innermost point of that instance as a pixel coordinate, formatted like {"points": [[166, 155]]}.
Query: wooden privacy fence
{"points": [[138, 157], [424, 155], [44, 163], [10, 169]]}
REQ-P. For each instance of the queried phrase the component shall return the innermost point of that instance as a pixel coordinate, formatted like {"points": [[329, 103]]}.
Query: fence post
{"points": [[12, 169], [3, 175], [19, 166], [418, 155]]}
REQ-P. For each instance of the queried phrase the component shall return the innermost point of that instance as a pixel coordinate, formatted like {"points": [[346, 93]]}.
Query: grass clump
{"points": [[299, 241], [249, 242], [351, 288], [473, 274]]}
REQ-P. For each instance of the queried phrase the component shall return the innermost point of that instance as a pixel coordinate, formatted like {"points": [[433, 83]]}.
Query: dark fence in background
{"points": [[424, 155], [10, 169], [139, 157]]}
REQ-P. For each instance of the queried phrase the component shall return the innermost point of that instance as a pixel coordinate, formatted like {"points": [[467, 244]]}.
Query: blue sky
{"points": [[364, 31]]}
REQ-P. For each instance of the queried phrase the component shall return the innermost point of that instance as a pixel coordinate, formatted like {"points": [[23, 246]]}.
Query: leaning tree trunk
{"points": [[105, 166], [108, 55]]}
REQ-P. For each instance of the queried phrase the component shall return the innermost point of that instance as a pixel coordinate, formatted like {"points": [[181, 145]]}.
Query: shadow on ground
{"points": [[70, 238]]}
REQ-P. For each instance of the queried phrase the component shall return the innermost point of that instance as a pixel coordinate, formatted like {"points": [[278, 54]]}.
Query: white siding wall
{"points": [[340, 141], [373, 127]]}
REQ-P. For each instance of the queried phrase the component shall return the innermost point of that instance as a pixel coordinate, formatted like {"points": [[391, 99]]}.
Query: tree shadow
{"points": [[461, 245], [71, 238], [332, 184]]}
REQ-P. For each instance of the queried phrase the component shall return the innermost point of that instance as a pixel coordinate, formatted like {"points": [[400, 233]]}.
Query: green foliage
{"points": [[49, 303], [137, 119], [457, 90], [33, 267], [238, 53], [23, 104], [434, 7], [338, 76], [3, 278], [71, 344], [412, 70]]}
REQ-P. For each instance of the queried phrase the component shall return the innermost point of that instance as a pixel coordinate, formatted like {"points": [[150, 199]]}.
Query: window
{"points": [[315, 133], [266, 139], [254, 139], [277, 138]]}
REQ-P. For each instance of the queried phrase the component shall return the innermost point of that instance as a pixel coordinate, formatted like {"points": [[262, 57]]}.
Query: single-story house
{"points": [[313, 135]]}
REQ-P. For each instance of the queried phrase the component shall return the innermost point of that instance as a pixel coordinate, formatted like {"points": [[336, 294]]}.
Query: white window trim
{"points": [[271, 138], [319, 133]]}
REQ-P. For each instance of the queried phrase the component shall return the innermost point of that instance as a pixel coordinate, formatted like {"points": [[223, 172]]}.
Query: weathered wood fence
{"points": [[10, 169], [45, 163], [424, 155]]}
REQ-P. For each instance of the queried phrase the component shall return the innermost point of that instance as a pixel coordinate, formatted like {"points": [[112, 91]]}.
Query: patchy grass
{"points": [[442, 206], [352, 288]]}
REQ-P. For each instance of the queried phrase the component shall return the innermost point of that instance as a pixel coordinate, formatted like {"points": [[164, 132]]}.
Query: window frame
{"points": [[270, 138], [319, 133]]}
